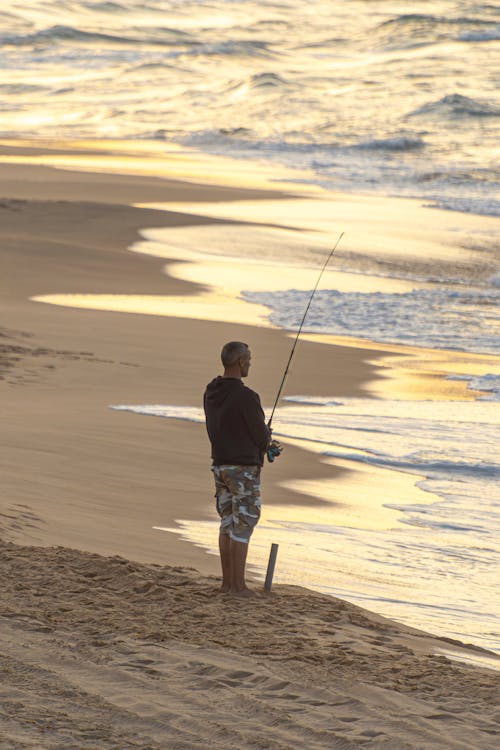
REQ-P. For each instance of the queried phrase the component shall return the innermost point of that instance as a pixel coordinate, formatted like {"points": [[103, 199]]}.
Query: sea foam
{"points": [[440, 318]]}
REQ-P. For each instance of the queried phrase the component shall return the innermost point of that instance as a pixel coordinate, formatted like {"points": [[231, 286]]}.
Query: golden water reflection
{"points": [[215, 306], [154, 159], [357, 499]]}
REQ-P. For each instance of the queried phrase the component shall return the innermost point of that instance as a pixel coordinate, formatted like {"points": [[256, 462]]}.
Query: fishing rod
{"points": [[300, 329]]}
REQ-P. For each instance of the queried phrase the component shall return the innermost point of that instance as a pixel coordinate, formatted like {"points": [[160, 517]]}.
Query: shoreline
{"points": [[64, 367], [79, 244], [112, 634]]}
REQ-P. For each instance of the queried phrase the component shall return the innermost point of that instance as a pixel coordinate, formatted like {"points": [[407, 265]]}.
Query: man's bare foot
{"points": [[224, 589], [245, 593]]}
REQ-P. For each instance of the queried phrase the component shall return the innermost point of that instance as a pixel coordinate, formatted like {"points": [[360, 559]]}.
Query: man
{"points": [[240, 437]]}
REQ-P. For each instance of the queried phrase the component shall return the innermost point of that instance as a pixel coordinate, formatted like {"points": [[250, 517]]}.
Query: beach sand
{"points": [[107, 653], [101, 652]]}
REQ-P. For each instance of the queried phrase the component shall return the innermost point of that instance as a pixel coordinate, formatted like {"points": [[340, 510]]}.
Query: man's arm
{"points": [[255, 420]]}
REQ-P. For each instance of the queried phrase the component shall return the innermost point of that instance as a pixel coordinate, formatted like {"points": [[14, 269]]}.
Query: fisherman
{"points": [[240, 438]]}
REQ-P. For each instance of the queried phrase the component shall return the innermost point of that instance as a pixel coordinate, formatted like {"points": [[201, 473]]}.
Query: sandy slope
{"points": [[106, 653]]}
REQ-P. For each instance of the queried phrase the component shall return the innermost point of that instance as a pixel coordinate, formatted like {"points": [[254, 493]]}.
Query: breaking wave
{"points": [[489, 35], [440, 318], [456, 105], [418, 29], [398, 143], [69, 33]]}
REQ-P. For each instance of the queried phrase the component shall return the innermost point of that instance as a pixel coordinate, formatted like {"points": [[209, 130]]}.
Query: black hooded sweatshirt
{"points": [[235, 423]]}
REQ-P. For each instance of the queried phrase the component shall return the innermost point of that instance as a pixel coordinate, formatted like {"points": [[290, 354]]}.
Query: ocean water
{"points": [[440, 317], [366, 95]]}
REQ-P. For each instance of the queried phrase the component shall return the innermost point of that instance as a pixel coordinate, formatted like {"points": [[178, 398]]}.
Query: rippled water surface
{"points": [[384, 96]]}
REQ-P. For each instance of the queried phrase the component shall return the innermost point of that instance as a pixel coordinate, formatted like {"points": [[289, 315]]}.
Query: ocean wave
{"points": [[152, 66], [9, 16], [13, 89], [107, 7], [268, 81], [295, 142], [489, 35], [234, 47], [185, 413], [72, 34], [481, 206], [406, 20], [426, 21], [419, 29], [439, 318], [249, 141], [313, 400], [433, 469], [216, 137], [489, 383], [481, 176], [366, 165], [457, 105], [324, 43], [397, 143]]}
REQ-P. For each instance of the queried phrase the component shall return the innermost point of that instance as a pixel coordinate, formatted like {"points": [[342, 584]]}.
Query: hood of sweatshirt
{"points": [[220, 389]]}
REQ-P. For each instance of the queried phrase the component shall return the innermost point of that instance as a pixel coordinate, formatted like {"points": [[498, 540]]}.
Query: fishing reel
{"points": [[274, 450]]}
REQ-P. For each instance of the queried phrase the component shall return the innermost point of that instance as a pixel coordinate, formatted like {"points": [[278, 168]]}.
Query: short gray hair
{"points": [[232, 351]]}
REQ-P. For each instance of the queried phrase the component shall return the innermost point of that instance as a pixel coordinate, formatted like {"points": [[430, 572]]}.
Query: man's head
{"points": [[236, 358]]}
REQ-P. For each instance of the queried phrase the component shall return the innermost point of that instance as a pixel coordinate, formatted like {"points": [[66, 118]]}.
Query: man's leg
{"points": [[224, 503], [239, 552], [226, 562], [245, 485]]}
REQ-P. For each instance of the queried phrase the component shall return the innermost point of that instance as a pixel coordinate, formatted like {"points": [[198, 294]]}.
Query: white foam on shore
{"points": [[185, 413], [489, 384], [439, 317]]}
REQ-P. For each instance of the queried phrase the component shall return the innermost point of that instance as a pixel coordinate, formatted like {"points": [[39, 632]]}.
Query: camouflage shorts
{"points": [[237, 496]]}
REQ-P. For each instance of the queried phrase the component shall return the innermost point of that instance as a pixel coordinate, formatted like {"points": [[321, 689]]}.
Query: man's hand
{"points": [[274, 450]]}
